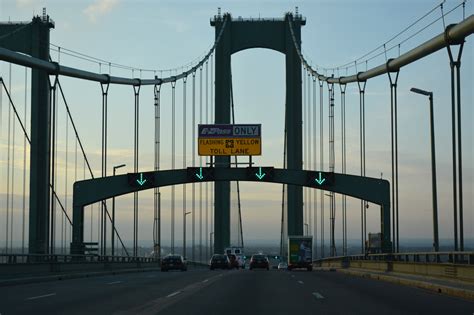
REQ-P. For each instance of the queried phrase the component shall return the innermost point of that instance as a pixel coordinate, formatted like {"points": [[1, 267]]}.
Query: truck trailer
{"points": [[300, 252]]}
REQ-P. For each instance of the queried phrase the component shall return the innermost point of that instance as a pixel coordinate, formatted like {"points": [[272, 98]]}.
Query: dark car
{"points": [[219, 262], [234, 263], [259, 261], [173, 262]]}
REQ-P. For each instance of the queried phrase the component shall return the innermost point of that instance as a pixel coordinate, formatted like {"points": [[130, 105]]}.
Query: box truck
{"points": [[300, 252]]}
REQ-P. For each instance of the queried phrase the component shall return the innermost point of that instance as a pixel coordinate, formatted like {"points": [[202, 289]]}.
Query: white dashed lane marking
{"points": [[173, 294], [115, 282], [317, 295], [40, 296], [300, 282]]}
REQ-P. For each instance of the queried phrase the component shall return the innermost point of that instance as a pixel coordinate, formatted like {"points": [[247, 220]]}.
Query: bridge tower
{"points": [[240, 34], [33, 39]]}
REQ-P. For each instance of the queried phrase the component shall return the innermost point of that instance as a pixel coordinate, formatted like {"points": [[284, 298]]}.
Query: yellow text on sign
{"points": [[229, 146]]}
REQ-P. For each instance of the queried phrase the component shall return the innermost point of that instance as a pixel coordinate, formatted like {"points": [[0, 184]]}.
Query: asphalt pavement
{"points": [[202, 291]]}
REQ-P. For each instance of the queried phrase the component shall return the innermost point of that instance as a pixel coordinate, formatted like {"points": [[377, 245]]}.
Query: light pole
{"points": [[433, 168], [184, 233], [113, 213], [211, 241], [332, 223]]}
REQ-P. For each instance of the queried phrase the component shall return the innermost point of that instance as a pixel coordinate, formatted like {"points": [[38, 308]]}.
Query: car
{"points": [[234, 263], [219, 261], [174, 262], [282, 266], [259, 261]]}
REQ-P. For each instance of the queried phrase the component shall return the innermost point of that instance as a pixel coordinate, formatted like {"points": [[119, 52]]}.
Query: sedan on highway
{"points": [[219, 262], [259, 261], [173, 262], [282, 266]]}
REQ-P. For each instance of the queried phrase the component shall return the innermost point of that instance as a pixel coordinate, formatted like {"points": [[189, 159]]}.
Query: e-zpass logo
{"points": [[215, 131]]}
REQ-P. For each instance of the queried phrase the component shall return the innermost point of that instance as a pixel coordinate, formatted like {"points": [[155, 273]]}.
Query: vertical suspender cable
{"points": [[173, 159], [315, 196], [206, 234], [332, 166], [24, 166], [136, 90], [343, 164], [305, 149], [103, 217], [54, 106], [12, 212], [212, 121], [240, 239], [184, 165], [282, 234], [193, 209], [362, 85], [1, 121], [455, 66], [75, 165], [8, 227], [321, 159], [308, 153], [200, 164], [65, 187], [156, 191], [394, 142]]}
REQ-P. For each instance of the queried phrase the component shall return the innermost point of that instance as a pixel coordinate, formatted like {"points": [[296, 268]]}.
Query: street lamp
{"points": [[113, 213], [184, 233], [433, 168]]}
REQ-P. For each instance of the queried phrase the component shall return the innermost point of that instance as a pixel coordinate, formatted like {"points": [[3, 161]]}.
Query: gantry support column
{"points": [[222, 116]]}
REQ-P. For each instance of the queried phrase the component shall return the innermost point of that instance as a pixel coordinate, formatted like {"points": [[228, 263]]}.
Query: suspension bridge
{"points": [[68, 213]]}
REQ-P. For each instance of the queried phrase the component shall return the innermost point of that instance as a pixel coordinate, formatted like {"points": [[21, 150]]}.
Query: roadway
{"points": [[201, 291]]}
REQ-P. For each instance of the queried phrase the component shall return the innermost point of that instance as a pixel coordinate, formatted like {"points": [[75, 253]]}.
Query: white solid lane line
{"points": [[173, 294], [115, 282], [300, 282], [40, 296], [317, 295]]}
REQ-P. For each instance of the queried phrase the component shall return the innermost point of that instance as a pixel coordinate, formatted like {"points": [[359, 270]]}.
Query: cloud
{"points": [[25, 3], [99, 9]]}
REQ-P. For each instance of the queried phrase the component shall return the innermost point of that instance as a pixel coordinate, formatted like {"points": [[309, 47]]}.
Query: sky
{"points": [[164, 35]]}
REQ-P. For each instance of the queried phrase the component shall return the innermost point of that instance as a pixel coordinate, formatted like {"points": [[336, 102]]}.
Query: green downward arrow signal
{"points": [[200, 174], [260, 175], [320, 181], [141, 181]]}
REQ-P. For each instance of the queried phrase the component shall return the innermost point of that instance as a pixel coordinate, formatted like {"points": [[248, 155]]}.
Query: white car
{"points": [[282, 266]]}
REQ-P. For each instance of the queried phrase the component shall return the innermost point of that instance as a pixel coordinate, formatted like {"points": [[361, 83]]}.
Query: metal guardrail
{"points": [[39, 258], [466, 258]]}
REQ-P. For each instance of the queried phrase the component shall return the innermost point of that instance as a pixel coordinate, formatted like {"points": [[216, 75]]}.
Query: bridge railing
{"points": [[39, 258], [466, 258]]}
